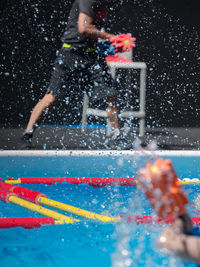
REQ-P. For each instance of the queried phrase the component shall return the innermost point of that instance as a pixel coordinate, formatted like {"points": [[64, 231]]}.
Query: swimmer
{"points": [[162, 187]]}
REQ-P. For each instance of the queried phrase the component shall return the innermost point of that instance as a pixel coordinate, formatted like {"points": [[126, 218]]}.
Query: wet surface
{"points": [[51, 137]]}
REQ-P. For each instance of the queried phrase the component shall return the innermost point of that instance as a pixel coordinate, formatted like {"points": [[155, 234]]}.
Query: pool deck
{"points": [[65, 138]]}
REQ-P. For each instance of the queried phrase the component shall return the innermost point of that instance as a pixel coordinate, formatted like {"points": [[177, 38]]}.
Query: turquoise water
{"points": [[87, 243]]}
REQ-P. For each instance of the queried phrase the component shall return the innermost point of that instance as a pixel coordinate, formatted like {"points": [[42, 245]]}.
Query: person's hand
{"points": [[112, 37]]}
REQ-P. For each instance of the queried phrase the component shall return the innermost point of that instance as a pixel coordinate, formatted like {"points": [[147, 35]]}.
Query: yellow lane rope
{"points": [[12, 181], [77, 211], [190, 182], [34, 207]]}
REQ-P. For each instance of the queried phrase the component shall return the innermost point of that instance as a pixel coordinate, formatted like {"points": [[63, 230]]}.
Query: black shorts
{"points": [[76, 69]]}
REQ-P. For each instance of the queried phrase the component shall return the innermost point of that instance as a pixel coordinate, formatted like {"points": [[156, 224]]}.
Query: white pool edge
{"points": [[96, 153]]}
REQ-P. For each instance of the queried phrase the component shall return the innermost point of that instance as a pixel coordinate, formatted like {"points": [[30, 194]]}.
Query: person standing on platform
{"points": [[79, 63]]}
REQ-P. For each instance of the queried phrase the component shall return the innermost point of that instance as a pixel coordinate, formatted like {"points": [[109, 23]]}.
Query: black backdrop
{"points": [[167, 34]]}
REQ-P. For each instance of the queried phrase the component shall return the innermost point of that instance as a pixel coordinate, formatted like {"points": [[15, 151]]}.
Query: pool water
{"points": [[88, 243]]}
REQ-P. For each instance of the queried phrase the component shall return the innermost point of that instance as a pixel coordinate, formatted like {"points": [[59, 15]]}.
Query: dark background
{"points": [[167, 33]]}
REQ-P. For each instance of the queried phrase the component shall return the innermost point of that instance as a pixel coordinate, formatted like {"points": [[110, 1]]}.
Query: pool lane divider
{"points": [[37, 208], [37, 222], [27, 223], [148, 219], [13, 194], [77, 211], [92, 181]]}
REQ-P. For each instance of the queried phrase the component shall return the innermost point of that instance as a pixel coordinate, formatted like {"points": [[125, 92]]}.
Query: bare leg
{"points": [[112, 112], [46, 101]]}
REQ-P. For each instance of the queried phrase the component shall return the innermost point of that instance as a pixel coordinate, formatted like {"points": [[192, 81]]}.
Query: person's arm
{"points": [[85, 26], [175, 240]]}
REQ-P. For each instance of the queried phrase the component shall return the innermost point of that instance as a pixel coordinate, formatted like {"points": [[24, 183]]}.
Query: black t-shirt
{"points": [[96, 9]]}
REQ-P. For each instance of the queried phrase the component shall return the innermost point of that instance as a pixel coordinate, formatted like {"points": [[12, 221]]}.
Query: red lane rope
{"points": [[92, 181], [27, 223], [148, 219], [7, 190], [36, 222]]}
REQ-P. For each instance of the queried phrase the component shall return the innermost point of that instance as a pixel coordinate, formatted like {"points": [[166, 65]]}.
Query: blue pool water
{"points": [[88, 243]]}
